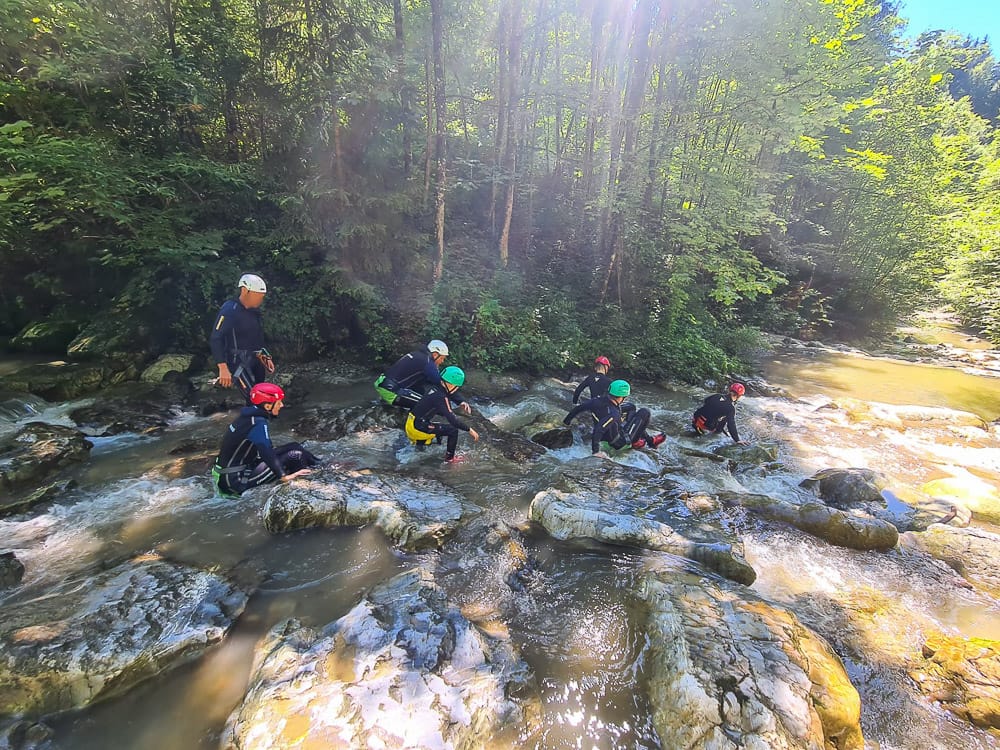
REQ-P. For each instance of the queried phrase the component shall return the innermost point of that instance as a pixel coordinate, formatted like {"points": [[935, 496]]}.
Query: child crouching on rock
{"points": [[616, 422], [421, 427]]}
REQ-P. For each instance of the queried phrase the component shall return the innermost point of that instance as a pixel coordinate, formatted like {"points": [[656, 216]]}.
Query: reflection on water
{"points": [[578, 634], [886, 381]]}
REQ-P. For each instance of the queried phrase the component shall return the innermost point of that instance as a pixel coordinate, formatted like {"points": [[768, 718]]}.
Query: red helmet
{"points": [[602, 360], [266, 393], [738, 388]]}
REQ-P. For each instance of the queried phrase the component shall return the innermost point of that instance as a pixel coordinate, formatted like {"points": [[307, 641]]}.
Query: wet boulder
{"points": [[847, 488], [36, 452], [760, 387], [963, 675], [581, 514], [20, 501], [510, 445], [207, 397], [730, 671], [549, 431], [413, 513], [973, 553], [319, 423], [554, 439], [168, 364], [11, 570], [47, 336], [55, 381], [64, 381], [98, 637], [758, 453], [25, 735], [403, 668], [323, 374], [494, 385], [837, 527], [133, 408]]}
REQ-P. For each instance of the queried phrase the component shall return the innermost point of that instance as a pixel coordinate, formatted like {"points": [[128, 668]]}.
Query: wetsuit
{"points": [[598, 384], [616, 425], [237, 337], [248, 459], [717, 414], [437, 402], [409, 378]]}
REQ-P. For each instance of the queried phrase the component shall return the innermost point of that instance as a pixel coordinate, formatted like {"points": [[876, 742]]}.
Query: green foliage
{"points": [[782, 164]]}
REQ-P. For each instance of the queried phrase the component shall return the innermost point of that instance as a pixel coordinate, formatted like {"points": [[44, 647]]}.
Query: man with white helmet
{"points": [[413, 374], [237, 339]]}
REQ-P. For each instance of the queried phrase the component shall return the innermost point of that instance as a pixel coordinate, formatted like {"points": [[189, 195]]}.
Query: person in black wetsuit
{"points": [[598, 381], [420, 424], [247, 457], [412, 374], [237, 339], [616, 422], [718, 413]]}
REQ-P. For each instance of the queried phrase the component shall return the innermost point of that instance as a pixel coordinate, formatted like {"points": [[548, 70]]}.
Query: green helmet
{"points": [[619, 388], [453, 375]]}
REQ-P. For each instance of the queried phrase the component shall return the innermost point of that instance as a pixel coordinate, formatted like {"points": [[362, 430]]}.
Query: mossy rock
{"points": [[46, 337]]}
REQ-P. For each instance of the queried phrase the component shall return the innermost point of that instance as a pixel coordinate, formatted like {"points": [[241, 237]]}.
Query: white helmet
{"points": [[438, 347], [253, 283]]}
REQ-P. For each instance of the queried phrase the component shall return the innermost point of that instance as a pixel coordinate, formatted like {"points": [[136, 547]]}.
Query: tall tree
{"points": [[440, 115]]}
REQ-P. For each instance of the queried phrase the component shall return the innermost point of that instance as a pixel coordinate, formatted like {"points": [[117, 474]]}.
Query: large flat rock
{"points": [[97, 637], [402, 669]]}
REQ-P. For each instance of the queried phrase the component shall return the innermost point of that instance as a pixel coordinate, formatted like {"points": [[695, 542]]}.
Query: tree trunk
{"points": [[404, 89], [429, 147], [230, 73], [501, 129], [598, 45], [437, 34], [627, 137], [513, 87]]}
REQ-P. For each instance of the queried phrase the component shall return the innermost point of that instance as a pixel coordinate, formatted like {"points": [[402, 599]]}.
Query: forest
{"points": [[534, 181]]}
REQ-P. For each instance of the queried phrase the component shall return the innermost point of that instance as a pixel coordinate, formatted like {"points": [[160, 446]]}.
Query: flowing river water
{"points": [[573, 622]]}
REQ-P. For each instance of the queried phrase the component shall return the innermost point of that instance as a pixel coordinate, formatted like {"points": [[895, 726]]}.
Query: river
{"points": [[572, 622]]}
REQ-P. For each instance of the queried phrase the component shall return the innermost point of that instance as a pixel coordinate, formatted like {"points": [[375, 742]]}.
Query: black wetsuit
{"points": [[617, 425], [410, 377], [598, 384], [437, 402], [237, 336], [247, 457], [717, 414]]}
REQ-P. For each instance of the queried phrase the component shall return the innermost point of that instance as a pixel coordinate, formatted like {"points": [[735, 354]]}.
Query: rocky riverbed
{"points": [[831, 585]]}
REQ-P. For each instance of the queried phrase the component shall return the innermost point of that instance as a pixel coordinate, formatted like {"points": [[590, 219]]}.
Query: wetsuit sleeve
{"points": [[579, 389], [584, 406], [221, 331], [731, 423], [450, 415], [261, 439]]}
